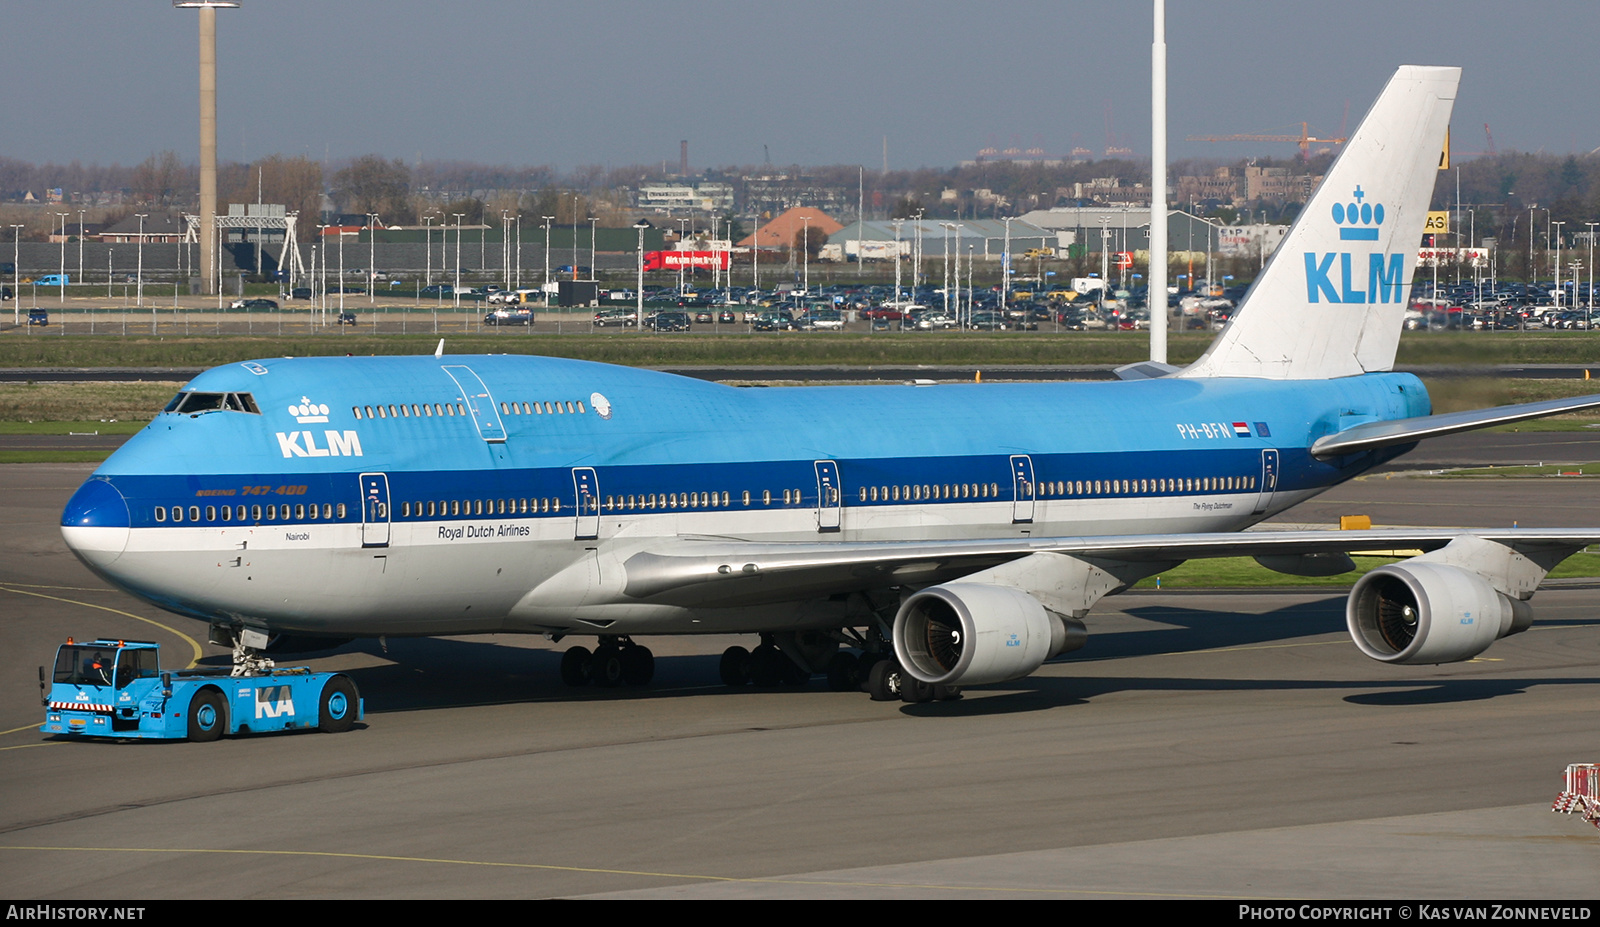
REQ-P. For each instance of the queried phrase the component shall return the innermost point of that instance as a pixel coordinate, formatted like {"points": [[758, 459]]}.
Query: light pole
{"points": [[427, 247], [63, 278], [957, 278], [947, 227], [322, 284], [682, 234], [341, 270], [372, 256], [139, 279], [805, 256], [1557, 293], [546, 284], [1588, 304], [505, 247], [638, 318], [456, 290], [1005, 267], [574, 237], [916, 258], [592, 221], [897, 223], [16, 276], [80, 247]]}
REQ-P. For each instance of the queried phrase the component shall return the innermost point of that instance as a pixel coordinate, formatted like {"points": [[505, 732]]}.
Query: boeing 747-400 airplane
{"points": [[943, 535]]}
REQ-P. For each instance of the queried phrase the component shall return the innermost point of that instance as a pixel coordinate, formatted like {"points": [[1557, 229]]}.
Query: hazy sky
{"points": [[616, 82]]}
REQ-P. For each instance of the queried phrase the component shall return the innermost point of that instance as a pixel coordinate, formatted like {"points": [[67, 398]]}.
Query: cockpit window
{"points": [[189, 403]]}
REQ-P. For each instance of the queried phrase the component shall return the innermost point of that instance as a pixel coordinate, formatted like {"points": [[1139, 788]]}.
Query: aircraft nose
{"points": [[96, 523]]}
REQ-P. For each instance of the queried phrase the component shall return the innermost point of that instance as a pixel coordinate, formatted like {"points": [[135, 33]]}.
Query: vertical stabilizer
{"points": [[1331, 301]]}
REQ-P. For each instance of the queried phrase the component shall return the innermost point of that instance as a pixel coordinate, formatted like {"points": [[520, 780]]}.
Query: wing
{"points": [[718, 572]]}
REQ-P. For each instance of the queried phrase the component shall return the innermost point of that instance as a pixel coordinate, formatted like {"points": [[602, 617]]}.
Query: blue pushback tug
{"points": [[111, 688]]}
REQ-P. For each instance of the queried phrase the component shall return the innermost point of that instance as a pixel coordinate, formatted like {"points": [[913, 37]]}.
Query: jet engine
{"points": [[973, 633], [1421, 612]]}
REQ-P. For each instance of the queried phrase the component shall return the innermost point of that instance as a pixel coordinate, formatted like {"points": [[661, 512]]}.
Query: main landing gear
{"points": [[874, 670], [615, 661]]}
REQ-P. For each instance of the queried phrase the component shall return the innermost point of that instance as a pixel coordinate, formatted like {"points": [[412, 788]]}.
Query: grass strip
{"points": [[1245, 573]]}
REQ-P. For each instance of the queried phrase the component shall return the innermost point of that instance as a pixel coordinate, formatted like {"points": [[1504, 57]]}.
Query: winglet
{"points": [[1331, 301], [439, 351]]}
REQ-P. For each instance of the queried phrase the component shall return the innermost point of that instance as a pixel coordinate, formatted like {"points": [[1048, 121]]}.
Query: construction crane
{"points": [[1304, 139]]}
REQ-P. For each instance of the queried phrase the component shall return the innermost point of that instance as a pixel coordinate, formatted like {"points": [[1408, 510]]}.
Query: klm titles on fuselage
{"points": [[503, 530], [1357, 221]]}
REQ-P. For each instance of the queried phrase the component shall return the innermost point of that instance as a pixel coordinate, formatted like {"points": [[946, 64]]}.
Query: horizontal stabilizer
{"points": [[1410, 430], [1145, 370]]}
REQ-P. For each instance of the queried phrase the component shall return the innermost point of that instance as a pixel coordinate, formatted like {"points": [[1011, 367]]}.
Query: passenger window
{"points": [[227, 513], [211, 513], [161, 513]]}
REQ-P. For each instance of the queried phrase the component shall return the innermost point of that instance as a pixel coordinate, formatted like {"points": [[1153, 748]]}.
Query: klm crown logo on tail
{"points": [[1331, 300], [1357, 221]]}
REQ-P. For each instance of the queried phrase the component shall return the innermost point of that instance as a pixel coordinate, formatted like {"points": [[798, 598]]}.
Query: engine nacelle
{"points": [[1420, 612], [973, 633]]}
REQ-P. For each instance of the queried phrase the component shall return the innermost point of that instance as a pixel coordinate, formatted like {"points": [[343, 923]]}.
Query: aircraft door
{"points": [[1269, 480], [830, 498], [479, 403], [586, 492], [374, 510], [1022, 489]]}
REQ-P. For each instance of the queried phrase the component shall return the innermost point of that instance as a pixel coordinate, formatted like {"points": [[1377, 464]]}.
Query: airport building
{"points": [[983, 239]]}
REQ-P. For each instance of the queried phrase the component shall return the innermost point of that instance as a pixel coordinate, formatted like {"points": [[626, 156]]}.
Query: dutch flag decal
{"points": [[1241, 430]]}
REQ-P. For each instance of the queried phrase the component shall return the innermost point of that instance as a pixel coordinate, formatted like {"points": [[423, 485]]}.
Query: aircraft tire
{"points": [[793, 673], [844, 672], [886, 681], [734, 668], [336, 711], [638, 665], [605, 667], [766, 670], [914, 690], [208, 716], [575, 666]]}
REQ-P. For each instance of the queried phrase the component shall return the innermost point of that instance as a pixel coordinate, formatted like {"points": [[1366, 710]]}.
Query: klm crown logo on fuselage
{"points": [[1357, 221], [304, 443]]}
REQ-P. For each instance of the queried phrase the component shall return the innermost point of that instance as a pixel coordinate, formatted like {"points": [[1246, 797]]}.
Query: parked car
{"points": [[778, 321], [726, 317], [262, 305], [670, 320], [347, 318], [38, 317], [300, 292], [509, 317], [825, 318], [625, 318]]}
